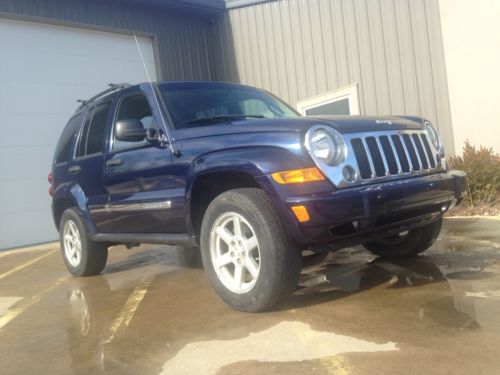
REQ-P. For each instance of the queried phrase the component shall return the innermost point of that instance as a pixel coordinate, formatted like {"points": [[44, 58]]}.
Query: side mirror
{"points": [[130, 130], [152, 136]]}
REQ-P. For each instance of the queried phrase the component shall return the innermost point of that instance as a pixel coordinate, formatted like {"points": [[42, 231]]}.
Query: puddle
{"points": [[444, 313], [437, 307], [487, 294], [469, 275]]}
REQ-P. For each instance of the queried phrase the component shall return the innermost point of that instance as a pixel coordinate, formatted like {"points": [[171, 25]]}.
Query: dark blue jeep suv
{"points": [[237, 172]]}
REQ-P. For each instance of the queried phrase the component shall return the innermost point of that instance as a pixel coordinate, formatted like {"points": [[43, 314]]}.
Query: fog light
{"points": [[301, 213], [349, 173]]}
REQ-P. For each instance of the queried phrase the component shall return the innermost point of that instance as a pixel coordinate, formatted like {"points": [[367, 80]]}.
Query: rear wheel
{"points": [[82, 256], [411, 243], [249, 260]]}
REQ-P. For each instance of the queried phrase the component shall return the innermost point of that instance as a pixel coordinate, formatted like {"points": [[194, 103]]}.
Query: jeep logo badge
{"points": [[387, 122]]}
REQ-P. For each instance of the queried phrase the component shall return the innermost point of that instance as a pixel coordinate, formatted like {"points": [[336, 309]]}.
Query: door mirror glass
{"points": [[153, 136], [130, 130]]}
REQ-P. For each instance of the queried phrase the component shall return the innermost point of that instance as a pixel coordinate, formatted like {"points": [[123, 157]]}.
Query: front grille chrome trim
{"points": [[384, 158], [363, 154], [370, 158], [391, 141], [407, 153], [415, 146]]}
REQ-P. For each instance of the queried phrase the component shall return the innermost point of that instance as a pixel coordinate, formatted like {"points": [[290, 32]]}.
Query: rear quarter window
{"points": [[67, 138]]}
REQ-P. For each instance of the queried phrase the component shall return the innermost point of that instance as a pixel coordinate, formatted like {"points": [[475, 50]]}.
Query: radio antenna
{"points": [[171, 147]]}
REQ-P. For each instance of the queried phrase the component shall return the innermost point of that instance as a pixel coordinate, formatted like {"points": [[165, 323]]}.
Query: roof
{"points": [[222, 4], [206, 6], [242, 3]]}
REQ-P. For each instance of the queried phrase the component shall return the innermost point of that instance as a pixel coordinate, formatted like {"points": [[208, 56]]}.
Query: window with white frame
{"points": [[343, 101]]}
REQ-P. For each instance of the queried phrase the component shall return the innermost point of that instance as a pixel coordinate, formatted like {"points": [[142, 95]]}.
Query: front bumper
{"points": [[369, 211]]}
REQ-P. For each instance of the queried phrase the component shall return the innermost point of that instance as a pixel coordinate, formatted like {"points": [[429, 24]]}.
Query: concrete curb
{"points": [[495, 218], [38, 247]]}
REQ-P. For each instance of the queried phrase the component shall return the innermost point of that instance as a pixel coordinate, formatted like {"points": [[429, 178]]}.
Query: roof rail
{"points": [[112, 87]]}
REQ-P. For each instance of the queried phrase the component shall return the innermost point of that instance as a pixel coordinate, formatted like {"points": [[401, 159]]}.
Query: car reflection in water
{"points": [[339, 277], [165, 327], [97, 308]]}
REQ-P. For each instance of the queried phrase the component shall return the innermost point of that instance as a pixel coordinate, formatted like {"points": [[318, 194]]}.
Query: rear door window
{"points": [[94, 131]]}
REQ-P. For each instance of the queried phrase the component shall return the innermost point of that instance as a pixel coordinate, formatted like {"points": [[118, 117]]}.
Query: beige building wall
{"points": [[471, 38], [297, 49]]}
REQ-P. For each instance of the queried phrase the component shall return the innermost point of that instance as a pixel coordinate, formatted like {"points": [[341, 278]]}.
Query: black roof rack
{"points": [[112, 87]]}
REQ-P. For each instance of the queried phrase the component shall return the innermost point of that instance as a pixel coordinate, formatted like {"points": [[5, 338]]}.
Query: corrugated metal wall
{"points": [[293, 48], [302, 48], [183, 39]]}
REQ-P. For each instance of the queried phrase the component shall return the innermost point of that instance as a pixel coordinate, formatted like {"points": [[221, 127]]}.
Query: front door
{"points": [[143, 197]]}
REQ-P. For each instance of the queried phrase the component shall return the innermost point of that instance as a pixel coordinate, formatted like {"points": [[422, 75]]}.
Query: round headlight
{"points": [[326, 145], [433, 136]]}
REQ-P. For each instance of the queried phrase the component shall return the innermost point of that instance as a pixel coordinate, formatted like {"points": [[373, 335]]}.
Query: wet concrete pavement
{"points": [[153, 312]]}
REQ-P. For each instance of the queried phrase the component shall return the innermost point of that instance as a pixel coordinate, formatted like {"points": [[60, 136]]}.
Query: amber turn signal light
{"points": [[298, 176], [301, 213]]}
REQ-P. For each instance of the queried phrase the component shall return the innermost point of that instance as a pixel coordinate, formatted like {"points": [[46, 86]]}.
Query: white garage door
{"points": [[44, 69]]}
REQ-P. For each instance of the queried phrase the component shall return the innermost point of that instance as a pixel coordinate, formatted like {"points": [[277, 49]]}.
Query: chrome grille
{"points": [[385, 155], [377, 156]]}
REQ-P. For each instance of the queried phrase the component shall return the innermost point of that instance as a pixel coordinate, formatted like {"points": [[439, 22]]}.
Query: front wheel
{"points": [[82, 256], [249, 260], [408, 244]]}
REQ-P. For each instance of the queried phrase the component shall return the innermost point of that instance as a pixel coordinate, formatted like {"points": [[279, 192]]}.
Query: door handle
{"points": [[114, 162], [74, 169]]}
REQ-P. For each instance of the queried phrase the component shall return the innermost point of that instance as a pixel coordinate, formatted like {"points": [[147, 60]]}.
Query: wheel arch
{"points": [[207, 186], [59, 206], [214, 173], [68, 196]]}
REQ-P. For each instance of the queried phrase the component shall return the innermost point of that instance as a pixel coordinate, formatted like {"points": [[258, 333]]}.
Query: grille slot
{"points": [[361, 158], [389, 155], [403, 158], [378, 162], [421, 153], [411, 151], [386, 155], [428, 150]]}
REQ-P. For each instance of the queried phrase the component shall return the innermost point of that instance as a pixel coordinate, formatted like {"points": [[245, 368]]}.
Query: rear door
{"points": [[87, 166], [63, 154], [143, 195]]}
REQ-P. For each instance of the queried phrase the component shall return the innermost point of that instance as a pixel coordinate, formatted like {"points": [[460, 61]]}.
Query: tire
{"points": [[415, 242], [274, 260], [82, 256]]}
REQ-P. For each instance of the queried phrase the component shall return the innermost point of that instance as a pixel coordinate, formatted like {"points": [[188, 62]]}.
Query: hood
{"points": [[343, 124], [354, 124]]}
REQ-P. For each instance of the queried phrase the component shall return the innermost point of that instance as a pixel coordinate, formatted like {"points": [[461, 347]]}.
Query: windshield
{"points": [[193, 104]]}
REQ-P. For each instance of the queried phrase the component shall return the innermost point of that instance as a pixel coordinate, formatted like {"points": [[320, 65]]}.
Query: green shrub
{"points": [[483, 174]]}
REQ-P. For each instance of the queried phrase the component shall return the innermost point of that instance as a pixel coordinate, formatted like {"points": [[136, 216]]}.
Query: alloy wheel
{"points": [[235, 253], [72, 244]]}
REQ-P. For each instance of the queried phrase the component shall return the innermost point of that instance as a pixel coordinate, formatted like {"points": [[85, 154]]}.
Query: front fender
{"points": [[257, 162]]}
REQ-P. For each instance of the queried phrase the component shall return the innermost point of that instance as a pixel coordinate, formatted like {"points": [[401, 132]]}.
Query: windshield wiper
{"points": [[222, 118]]}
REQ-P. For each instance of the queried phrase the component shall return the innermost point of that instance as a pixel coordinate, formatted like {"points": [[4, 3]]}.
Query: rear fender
{"points": [[74, 194]]}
